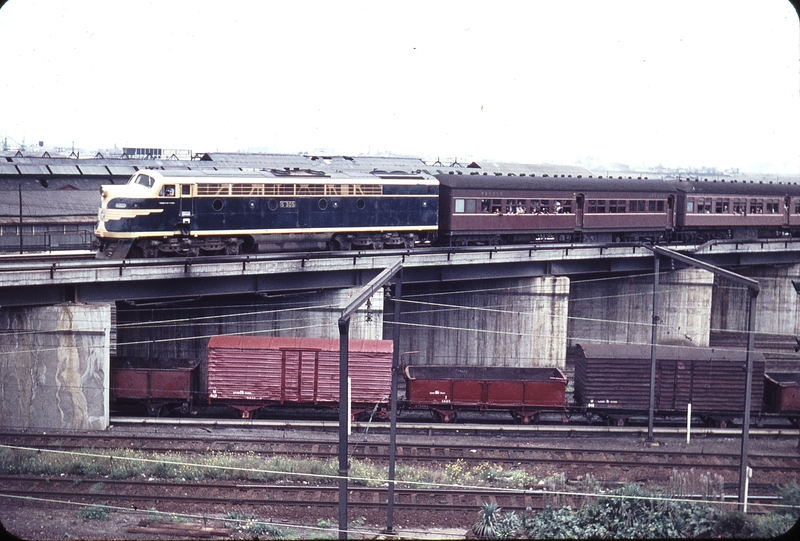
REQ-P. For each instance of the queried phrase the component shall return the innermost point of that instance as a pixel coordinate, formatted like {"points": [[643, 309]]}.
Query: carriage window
{"points": [[772, 206], [597, 206], [659, 206], [540, 206], [739, 206], [723, 206], [756, 206], [497, 206], [651, 206], [703, 205], [690, 205], [797, 206], [564, 206], [615, 206], [459, 205]]}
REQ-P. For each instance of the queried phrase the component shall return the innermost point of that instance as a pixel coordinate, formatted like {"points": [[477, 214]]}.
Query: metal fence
{"points": [[46, 241]]}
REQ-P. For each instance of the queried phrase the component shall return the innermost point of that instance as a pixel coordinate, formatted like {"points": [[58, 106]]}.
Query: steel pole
{"points": [[653, 343], [21, 249], [344, 409], [748, 387], [398, 294]]}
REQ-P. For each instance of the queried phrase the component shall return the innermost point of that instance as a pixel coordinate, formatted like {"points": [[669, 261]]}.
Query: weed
{"points": [[96, 512]]}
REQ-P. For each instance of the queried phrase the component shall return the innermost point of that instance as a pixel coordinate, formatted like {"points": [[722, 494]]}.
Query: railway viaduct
{"points": [[518, 306]]}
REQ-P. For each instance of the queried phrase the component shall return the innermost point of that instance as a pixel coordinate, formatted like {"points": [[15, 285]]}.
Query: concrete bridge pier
{"points": [[507, 322], [777, 307], [620, 309], [54, 366]]}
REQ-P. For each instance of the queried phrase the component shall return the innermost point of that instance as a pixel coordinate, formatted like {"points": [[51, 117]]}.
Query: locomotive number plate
{"points": [[288, 204]]}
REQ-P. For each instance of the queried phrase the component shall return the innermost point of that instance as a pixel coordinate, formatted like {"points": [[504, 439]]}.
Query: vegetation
{"points": [[633, 513], [629, 512], [96, 512]]}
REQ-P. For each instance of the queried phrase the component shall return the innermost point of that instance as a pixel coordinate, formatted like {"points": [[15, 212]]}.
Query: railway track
{"points": [[507, 453]]}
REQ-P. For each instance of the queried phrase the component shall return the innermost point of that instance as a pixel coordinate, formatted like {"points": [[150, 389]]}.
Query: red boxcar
{"points": [[782, 394], [524, 391], [252, 372], [156, 388]]}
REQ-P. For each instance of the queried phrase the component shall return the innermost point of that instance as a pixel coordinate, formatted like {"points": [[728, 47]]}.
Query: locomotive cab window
{"points": [[167, 190], [144, 180]]}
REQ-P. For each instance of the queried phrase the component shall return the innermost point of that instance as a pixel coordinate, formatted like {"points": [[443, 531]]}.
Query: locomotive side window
{"points": [[186, 189], [756, 206]]}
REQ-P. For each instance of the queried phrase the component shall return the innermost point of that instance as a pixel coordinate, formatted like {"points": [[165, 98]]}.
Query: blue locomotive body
{"points": [[191, 213]]}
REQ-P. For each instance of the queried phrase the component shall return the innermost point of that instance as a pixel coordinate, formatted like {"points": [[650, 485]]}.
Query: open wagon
{"points": [[524, 391]]}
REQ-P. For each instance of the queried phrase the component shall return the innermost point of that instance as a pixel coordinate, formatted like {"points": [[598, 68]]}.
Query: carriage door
{"points": [[671, 211], [187, 208], [579, 212], [787, 203]]}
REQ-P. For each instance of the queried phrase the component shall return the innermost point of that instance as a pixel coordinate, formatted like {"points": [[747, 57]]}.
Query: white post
{"points": [[688, 423], [747, 486]]}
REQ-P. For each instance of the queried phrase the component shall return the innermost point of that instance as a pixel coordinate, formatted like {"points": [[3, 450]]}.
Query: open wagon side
{"points": [[523, 391]]}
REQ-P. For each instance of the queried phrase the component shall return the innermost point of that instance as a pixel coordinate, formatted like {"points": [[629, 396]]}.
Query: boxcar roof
{"points": [[664, 352], [281, 342]]}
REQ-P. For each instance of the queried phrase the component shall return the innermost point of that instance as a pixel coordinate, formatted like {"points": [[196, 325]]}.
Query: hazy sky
{"points": [[682, 83]]}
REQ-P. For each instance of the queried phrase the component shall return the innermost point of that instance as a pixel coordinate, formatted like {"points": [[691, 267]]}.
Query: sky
{"points": [[680, 84]]}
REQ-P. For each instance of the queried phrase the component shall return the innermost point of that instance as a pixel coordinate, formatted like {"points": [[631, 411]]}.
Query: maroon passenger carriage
{"points": [[483, 210]]}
